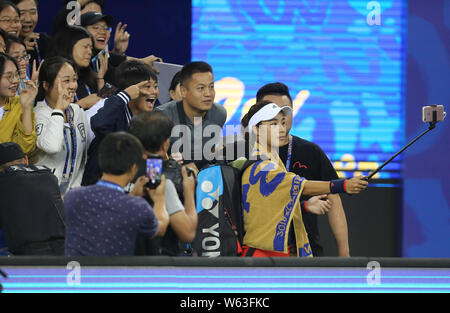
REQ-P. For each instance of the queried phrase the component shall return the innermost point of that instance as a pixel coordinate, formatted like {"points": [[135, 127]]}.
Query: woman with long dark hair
{"points": [[76, 44], [61, 125]]}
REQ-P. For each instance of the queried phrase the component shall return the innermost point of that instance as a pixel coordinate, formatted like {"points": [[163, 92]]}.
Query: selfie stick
{"points": [[432, 126]]}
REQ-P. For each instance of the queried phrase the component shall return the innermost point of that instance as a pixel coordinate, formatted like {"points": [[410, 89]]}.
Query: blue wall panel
{"points": [[345, 75], [426, 168]]}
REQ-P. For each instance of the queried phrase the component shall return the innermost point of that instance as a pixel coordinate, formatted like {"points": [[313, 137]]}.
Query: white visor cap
{"points": [[267, 113]]}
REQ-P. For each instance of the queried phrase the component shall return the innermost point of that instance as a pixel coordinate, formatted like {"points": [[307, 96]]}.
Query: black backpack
{"points": [[219, 208]]}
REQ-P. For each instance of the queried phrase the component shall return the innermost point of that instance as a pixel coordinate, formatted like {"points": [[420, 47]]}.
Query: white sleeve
{"points": [[79, 173], [50, 130]]}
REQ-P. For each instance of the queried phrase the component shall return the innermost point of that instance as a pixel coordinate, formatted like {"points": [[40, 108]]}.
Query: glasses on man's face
{"points": [[12, 77], [103, 28], [10, 21], [24, 58]]}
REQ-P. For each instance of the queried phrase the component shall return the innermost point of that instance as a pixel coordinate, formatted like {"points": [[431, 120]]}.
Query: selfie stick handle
{"points": [[432, 126]]}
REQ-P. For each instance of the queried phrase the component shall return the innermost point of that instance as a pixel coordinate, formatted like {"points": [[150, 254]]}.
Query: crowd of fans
{"points": [[77, 121]]}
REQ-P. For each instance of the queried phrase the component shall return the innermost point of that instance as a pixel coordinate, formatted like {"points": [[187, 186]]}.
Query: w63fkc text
{"points": [[246, 302]]}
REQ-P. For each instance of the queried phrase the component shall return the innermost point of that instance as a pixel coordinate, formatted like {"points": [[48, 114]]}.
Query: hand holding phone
{"points": [[31, 41], [158, 194], [96, 62]]}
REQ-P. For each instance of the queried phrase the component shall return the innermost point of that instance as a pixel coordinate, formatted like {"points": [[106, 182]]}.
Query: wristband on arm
{"points": [[338, 186], [303, 206]]}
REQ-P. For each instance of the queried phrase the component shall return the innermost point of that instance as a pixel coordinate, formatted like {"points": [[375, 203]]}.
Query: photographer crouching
{"points": [[153, 129], [31, 208]]}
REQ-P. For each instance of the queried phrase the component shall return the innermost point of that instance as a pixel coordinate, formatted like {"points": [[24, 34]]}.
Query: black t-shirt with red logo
{"points": [[309, 161]]}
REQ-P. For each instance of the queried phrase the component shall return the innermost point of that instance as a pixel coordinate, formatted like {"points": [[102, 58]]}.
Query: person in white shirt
{"points": [[61, 125]]}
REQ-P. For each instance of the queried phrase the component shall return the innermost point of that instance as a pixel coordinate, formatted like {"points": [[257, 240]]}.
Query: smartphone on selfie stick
{"points": [[431, 114]]}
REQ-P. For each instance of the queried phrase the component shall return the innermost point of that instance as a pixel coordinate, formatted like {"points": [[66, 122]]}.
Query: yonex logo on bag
{"points": [[211, 244], [209, 191], [210, 202]]}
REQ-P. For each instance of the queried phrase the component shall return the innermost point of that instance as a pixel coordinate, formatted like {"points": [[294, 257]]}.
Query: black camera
{"points": [[170, 168], [172, 171]]}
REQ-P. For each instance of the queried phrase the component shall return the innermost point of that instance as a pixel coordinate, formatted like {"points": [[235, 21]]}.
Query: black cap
{"points": [[10, 151], [90, 18]]}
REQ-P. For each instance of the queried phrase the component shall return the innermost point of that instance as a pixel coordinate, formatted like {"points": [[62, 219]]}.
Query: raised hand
{"points": [[31, 41], [137, 90], [150, 59], [64, 96], [103, 59], [28, 95], [103, 68], [121, 39], [35, 72]]}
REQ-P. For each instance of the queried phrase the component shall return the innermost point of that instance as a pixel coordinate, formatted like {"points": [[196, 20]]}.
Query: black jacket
{"points": [[31, 209], [113, 117]]}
